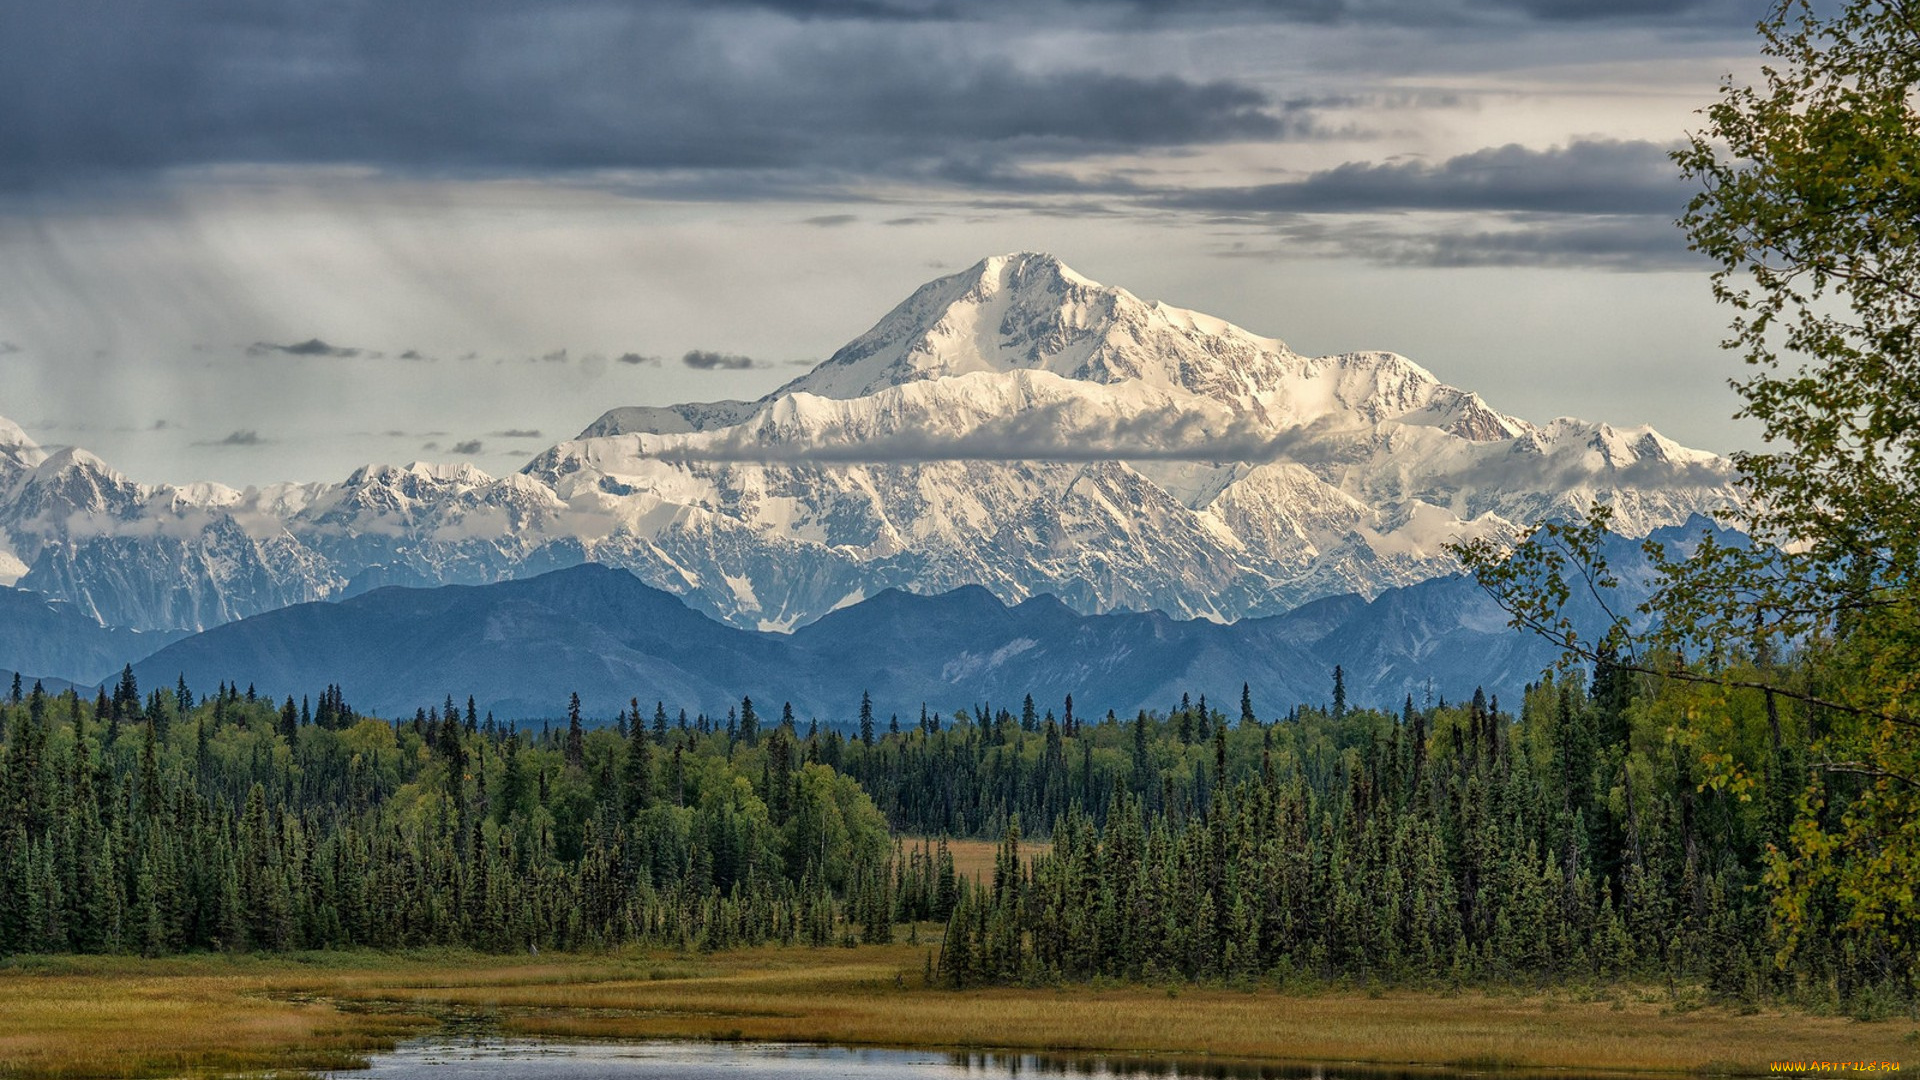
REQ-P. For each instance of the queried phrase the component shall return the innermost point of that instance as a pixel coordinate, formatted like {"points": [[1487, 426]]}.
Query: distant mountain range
{"points": [[1014, 426], [45, 638], [521, 647]]}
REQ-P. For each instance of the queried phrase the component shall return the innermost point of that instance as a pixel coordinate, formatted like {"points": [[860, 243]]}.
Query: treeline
{"points": [[1584, 838], [162, 824], [975, 772], [1581, 840]]}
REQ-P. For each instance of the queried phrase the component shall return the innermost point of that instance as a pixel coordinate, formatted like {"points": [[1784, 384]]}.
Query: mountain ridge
{"points": [[522, 647], [1016, 426]]}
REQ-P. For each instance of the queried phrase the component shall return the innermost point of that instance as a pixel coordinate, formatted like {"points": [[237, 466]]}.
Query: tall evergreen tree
{"points": [[576, 735], [749, 722]]}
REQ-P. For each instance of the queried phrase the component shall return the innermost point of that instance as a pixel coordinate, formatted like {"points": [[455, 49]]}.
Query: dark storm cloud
{"points": [[113, 88], [704, 360], [468, 447], [828, 221], [637, 360], [8, 348], [1587, 177], [309, 347], [1309, 11], [517, 433]]}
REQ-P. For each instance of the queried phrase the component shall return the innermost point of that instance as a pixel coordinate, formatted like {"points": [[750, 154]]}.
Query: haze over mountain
{"points": [[1014, 426], [521, 647], [50, 639]]}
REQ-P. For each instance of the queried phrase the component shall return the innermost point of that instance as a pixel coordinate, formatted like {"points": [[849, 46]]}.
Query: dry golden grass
{"points": [[124, 1018], [875, 996], [131, 1018], [974, 858]]}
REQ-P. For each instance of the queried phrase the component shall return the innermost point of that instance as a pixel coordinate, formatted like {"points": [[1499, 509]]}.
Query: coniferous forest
{"points": [[1572, 839]]}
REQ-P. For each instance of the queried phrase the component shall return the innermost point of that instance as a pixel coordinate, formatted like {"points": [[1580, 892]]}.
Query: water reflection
{"points": [[449, 1058]]}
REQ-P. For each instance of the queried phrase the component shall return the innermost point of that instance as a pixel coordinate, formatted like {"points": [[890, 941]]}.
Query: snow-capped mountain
{"points": [[1015, 426]]}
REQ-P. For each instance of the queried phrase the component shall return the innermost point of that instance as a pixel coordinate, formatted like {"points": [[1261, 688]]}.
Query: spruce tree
{"points": [[637, 777], [576, 734], [749, 722]]}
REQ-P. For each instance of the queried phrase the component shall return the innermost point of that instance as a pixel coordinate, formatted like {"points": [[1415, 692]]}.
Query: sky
{"points": [[261, 240]]}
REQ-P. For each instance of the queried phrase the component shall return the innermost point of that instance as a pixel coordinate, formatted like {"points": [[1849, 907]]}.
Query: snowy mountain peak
{"points": [[1031, 311], [15, 437], [72, 459], [1015, 426], [18, 452], [71, 482]]}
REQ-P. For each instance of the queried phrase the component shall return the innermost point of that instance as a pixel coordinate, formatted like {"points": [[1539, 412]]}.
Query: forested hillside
{"points": [[170, 824], [1576, 840]]}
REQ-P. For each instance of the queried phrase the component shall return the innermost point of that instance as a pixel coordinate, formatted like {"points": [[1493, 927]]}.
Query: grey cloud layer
{"points": [[1605, 242], [1584, 177], [246, 437], [830, 101], [311, 347], [705, 360], [1317, 11], [1599, 204], [110, 88]]}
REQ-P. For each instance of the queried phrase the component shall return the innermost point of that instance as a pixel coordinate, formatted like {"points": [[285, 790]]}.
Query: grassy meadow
{"points": [[99, 1017], [973, 859]]}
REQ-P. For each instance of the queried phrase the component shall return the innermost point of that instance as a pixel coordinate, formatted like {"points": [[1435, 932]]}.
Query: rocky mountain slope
{"points": [[1014, 426]]}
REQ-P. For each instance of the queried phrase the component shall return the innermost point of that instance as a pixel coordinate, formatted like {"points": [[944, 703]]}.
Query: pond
{"points": [[483, 1058]]}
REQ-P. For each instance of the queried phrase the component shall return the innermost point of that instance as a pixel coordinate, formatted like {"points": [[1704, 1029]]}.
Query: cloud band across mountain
{"points": [[1067, 431], [1049, 432]]}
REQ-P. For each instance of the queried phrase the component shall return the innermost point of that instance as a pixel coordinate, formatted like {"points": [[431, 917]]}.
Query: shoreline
{"points": [[1073, 1063], [97, 1016]]}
